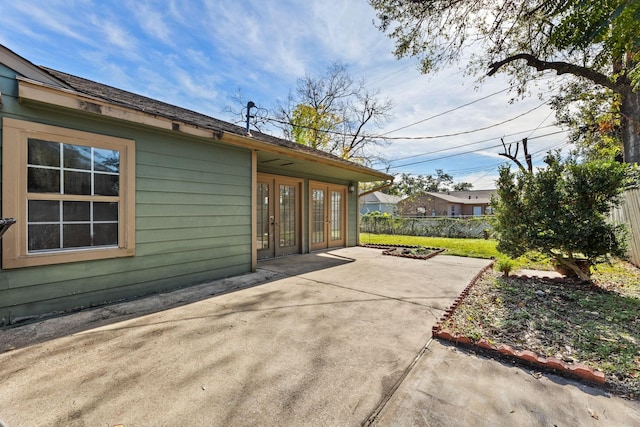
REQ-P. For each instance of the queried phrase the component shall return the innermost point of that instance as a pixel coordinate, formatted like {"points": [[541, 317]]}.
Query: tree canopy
{"points": [[335, 112], [595, 41], [561, 211], [414, 185]]}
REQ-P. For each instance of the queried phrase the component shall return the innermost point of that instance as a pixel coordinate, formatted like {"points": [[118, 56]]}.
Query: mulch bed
{"points": [[407, 251]]}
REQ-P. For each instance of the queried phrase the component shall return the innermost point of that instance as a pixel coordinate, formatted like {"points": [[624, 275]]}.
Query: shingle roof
{"points": [[380, 197], [147, 105], [466, 197]]}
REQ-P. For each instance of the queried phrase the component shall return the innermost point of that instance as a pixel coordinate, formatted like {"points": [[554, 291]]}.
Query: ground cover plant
{"points": [[596, 324]]}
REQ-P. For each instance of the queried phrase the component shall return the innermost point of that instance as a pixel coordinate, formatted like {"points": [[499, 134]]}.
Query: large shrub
{"points": [[561, 210]]}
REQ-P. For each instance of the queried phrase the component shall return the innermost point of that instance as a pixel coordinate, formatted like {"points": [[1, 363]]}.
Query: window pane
{"points": [[105, 234], [106, 185], [287, 215], [77, 157], [317, 219], [43, 180], [44, 236], [76, 235], [43, 153], [336, 215], [103, 211], [77, 182], [106, 160], [76, 211], [44, 211], [263, 223]]}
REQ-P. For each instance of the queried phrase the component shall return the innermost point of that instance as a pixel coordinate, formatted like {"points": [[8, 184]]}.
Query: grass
{"points": [[461, 247], [597, 324], [475, 248]]}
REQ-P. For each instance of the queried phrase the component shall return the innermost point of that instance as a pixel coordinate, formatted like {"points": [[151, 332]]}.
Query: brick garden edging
{"points": [[391, 250], [578, 369]]}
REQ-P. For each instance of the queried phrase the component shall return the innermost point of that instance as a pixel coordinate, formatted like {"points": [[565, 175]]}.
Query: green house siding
{"points": [[193, 194], [193, 222]]}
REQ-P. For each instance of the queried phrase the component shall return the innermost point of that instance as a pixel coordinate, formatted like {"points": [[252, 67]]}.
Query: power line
{"points": [[463, 153], [446, 112], [475, 143], [329, 131], [467, 144], [464, 132]]}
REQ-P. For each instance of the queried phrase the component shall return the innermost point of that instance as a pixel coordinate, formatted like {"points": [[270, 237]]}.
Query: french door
{"points": [[278, 216], [327, 207]]}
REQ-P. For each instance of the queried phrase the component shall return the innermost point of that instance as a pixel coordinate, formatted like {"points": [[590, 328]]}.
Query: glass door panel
{"points": [[287, 225], [264, 221], [328, 210], [277, 216], [336, 215], [318, 223]]}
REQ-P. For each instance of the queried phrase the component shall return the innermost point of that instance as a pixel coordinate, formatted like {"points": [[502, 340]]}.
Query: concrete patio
{"points": [[336, 338]]}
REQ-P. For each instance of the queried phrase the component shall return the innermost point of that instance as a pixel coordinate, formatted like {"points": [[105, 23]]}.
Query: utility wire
{"points": [[410, 137], [463, 132], [474, 143], [460, 154], [446, 112], [467, 144]]}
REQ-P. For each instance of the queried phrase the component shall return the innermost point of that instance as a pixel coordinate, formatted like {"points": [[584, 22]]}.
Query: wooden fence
{"points": [[629, 214]]}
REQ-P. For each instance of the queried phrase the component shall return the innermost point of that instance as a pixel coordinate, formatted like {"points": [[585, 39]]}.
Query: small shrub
{"points": [[505, 265]]}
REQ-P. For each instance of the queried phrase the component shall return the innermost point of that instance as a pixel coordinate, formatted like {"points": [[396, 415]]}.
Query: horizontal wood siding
{"points": [[352, 218], [193, 225]]}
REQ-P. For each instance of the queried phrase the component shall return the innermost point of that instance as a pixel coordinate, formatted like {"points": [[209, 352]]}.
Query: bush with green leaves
{"points": [[561, 211]]}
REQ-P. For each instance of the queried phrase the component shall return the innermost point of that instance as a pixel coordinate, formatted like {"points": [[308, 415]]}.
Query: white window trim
{"points": [[15, 134]]}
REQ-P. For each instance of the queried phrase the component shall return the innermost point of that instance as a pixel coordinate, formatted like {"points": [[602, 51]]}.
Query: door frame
{"points": [[274, 182], [328, 241]]}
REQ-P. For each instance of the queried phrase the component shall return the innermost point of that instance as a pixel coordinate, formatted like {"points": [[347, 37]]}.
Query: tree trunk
{"points": [[630, 125], [572, 265]]}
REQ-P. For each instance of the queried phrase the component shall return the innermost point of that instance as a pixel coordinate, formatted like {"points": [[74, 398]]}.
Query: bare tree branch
{"points": [[560, 67]]}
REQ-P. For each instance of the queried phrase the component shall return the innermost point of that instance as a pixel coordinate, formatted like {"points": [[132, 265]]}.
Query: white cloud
{"points": [[153, 22]]}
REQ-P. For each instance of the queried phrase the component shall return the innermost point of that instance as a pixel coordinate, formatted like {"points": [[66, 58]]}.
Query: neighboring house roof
{"points": [[380, 197], [472, 197]]}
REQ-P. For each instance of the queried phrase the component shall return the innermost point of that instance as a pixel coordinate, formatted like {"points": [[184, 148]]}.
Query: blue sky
{"points": [[200, 54]]}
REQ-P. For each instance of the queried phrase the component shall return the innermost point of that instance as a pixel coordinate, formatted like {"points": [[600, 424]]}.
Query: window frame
{"points": [[15, 196]]}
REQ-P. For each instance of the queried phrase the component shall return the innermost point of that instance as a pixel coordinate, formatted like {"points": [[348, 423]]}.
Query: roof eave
{"points": [[38, 92]]}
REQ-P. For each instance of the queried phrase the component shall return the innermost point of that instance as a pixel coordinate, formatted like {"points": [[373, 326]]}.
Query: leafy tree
{"points": [[415, 185], [308, 123], [593, 116], [561, 211], [595, 41], [462, 186], [335, 113]]}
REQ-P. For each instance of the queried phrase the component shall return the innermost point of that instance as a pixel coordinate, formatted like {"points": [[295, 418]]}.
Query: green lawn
{"points": [[476, 248]]}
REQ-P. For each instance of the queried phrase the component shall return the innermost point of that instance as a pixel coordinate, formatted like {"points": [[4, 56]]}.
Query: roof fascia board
{"points": [[40, 93], [27, 69], [243, 140]]}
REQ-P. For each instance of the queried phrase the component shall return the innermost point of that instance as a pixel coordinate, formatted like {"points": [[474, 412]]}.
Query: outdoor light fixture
{"points": [[351, 188]]}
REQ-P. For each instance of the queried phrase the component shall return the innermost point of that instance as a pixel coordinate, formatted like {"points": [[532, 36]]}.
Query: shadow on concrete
{"points": [[54, 326], [295, 265]]}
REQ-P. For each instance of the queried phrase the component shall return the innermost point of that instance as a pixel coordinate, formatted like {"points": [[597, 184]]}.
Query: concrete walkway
{"points": [[326, 339]]}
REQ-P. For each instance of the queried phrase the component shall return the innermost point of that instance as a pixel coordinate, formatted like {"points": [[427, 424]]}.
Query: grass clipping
{"points": [[596, 324]]}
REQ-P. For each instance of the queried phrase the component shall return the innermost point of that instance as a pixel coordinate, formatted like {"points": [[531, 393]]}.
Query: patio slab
{"points": [[321, 340]]}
